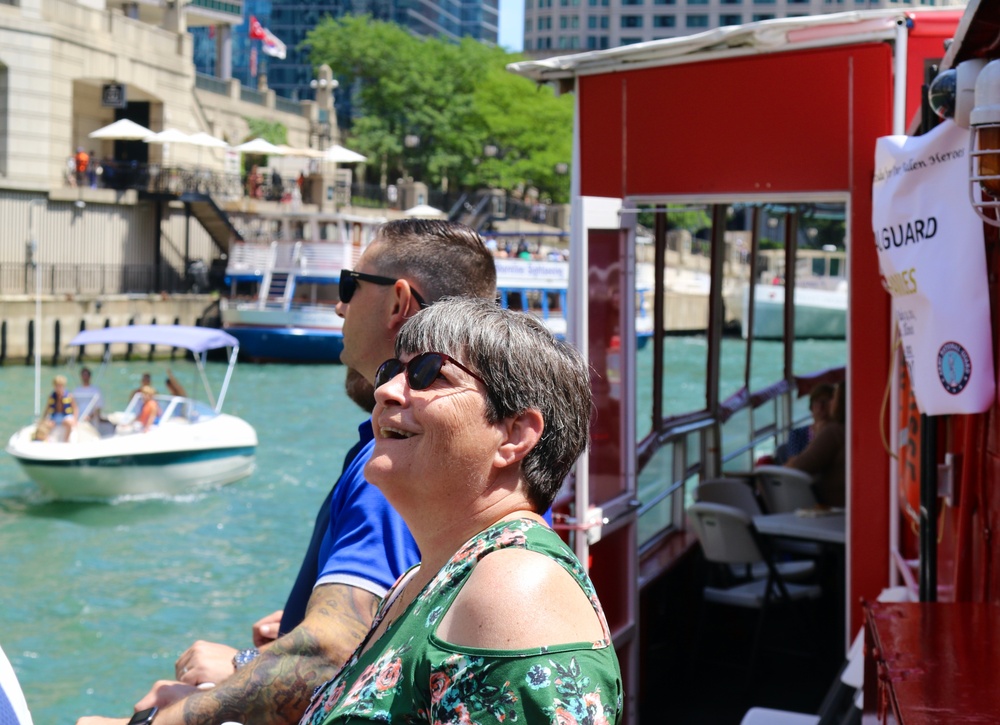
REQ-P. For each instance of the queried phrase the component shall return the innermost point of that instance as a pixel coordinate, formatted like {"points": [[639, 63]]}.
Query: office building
{"points": [[556, 27], [291, 20]]}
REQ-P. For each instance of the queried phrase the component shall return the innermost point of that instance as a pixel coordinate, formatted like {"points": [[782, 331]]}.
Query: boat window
{"points": [[687, 284], [655, 483]]}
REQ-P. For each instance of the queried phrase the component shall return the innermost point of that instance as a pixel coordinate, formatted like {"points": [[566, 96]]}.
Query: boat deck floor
{"points": [[698, 674]]}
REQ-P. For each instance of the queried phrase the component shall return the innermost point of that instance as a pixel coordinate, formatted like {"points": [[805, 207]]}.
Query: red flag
{"points": [[256, 29]]}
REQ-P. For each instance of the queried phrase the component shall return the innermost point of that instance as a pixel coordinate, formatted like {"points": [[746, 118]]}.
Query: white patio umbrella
{"points": [[423, 211], [207, 140], [170, 135], [339, 154], [122, 130], [259, 146]]}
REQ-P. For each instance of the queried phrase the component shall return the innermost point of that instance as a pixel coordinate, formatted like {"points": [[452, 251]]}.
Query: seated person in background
{"points": [[820, 401], [61, 408], [825, 456], [478, 419], [150, 409], [175, 387], [147, 381], [88, 397]]}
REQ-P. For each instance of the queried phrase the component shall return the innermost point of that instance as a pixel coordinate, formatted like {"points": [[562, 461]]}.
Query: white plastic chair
{"points": [[739, 494], [13, 708], [727, 536], [784, 490]]}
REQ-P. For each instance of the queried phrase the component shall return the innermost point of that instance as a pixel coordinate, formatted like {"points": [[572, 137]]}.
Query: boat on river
{"points": [[820, 296], [292, 316], [192, 445]]}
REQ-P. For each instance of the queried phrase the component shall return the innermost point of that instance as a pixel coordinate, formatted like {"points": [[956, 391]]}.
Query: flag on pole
{"points": [[253, 62], [269, 41]]}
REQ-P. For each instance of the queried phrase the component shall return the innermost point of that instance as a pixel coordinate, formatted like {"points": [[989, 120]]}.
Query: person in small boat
{"points": [[147, 381], [360, 545], [60, 410], [88, 397], [150, 409], [478, 419], [175, 387], [826, 455]]}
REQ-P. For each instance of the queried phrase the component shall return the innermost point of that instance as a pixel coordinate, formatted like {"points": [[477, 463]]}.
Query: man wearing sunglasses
{"points": [[409, 265]]}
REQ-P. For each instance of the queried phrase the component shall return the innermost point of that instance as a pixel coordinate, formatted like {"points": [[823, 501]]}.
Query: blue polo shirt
{"points": [[358, 538]]}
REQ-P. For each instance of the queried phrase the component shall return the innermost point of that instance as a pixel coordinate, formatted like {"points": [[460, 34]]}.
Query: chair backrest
{"points": [[729, 492], [13, 708], [784, 489], [725, 533]]}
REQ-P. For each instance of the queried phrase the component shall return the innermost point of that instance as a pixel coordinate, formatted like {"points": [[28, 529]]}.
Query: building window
{"points": [[731, 2], [730, 19], [763, 2], [631, 2], [763, 16], [527, 25], [630, 41], [664, 2], [664, 21], [631, 21], [544, 43], [697, 2], [569, 42], [696, 21]]}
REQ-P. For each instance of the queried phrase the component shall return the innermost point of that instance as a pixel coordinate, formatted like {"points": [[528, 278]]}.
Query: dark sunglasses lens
{"points": [[423, 370], [387, 371], [347, 286]]}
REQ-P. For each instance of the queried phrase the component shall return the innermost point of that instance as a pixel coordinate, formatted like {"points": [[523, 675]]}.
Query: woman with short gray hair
{"points": [[477, 421]]}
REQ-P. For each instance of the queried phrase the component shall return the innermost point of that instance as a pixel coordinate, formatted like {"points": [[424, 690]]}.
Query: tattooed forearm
{"points": [[277, 685]]}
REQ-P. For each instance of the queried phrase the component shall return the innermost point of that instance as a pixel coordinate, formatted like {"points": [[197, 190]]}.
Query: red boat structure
{"points": [[768, 130]]}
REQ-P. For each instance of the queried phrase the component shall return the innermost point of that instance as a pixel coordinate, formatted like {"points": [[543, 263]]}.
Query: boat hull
{"points": [[177, 459], [819, 314], [289, 344]]}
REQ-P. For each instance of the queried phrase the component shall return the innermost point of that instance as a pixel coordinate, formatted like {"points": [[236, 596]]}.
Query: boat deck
{"points": [[695, 675]]}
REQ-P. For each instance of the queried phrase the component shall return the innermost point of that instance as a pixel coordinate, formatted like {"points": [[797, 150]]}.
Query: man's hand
{"points": [[164, 693], [265, 630], [205, 662]]}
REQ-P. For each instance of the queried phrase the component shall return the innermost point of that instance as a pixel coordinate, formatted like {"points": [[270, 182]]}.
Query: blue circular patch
{"points": [[954, 367]]}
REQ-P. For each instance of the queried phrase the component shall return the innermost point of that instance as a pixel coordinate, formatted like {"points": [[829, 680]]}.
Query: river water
{"points": [[99, 599]]}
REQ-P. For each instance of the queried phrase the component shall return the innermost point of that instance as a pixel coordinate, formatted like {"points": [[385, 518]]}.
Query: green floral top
{"points": [[412, 676]]}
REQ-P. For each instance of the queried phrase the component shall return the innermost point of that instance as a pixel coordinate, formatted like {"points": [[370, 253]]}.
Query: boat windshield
{"points": [[173, 408]]}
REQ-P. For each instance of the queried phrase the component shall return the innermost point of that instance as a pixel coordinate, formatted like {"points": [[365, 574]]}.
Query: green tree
{"points": [[456, 99]]}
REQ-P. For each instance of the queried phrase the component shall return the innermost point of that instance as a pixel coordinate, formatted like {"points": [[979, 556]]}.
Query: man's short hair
{"points": [[823, 391], [440, 258]]}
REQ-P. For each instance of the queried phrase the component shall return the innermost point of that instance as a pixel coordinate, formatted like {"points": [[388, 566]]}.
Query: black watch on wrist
{"points": [[144, 717]]}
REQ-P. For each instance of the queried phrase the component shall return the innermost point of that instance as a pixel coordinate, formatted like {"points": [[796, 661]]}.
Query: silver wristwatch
{"points": [[244, 657]]}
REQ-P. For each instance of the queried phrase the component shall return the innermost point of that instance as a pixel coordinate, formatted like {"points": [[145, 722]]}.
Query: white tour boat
{"points": [[192, 445]]}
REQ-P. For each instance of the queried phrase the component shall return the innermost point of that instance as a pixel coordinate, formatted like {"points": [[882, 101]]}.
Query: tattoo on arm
{"points": [[277, 686]]}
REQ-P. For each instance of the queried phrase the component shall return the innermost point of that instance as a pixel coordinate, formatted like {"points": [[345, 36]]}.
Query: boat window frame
{"points": [[674, 430]]}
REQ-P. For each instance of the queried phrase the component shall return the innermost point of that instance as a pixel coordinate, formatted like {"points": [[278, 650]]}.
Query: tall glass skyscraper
{"points": [[290, 20]]}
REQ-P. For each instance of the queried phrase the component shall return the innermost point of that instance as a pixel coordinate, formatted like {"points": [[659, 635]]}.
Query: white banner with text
{"points": [[933, 262]]}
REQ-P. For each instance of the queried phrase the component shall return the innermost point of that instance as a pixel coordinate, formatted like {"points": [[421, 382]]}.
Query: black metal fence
{"points": [[85, 279]]}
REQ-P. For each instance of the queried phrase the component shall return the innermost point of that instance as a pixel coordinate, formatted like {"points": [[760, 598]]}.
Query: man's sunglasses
{"points": [[421, 371], [349, 285]]}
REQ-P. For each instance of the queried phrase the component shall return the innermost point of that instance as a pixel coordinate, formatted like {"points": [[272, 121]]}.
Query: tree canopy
{"points": [[445, 113]]}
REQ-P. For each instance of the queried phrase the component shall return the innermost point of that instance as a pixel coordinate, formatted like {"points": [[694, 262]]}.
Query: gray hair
{"points": [[524, 368], [439, 258]]}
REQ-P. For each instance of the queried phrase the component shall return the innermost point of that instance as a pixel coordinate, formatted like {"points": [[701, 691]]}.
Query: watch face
{"points": [[143, 717]]}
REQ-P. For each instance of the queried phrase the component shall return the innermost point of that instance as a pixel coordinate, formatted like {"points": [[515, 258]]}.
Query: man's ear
{"points": [[521, 434], [404, 304]]}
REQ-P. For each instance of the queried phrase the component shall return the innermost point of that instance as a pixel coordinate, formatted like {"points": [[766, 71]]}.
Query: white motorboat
{"points": [[192, 445]]}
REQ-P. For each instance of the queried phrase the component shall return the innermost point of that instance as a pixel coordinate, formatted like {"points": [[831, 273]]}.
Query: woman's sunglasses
{"points": [[349, 285], [421, 371]]}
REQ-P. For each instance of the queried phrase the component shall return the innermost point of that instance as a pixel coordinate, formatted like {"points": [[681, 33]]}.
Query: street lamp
{"points": [[411, 140]]}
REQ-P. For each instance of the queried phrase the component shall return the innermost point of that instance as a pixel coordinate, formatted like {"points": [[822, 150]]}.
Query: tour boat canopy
{"points": [[195, 339]]}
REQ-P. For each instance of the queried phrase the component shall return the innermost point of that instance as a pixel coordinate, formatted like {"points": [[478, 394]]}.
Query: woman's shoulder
{"points": [[517, 598]]}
